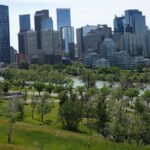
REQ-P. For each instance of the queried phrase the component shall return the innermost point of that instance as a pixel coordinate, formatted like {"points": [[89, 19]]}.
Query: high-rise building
{"points": [[119, 24], [31, 44], [63, 18], [50, 42], [13, 55], [24, 21], [94, 38], [108, 48], [80, 34], [38, 18], [4, 34], [21, 42], [147, 45], [128, 43], [47, 23], [136, 24], [25, 25], [68, 41]]}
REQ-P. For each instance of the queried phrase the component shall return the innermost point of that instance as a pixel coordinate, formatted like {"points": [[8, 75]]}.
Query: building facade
{"points": [[24, 21], [146, 53], [119, 24], [47, 23], [136, 24], [50, 42], [68, 41], [63, 18], [128, 43], [4, 34], [38, 18], [31, 44]]}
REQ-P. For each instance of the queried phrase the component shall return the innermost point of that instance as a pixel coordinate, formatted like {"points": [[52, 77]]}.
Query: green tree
{"points": [[102, 115], [49, 88], [5, 86], [117, 93], [39, 86], [131, 93], [33, 104], [81, 90], [44, 106], [24, 65], [146, 97], [15, 111], [89, 78], [71, 114]]}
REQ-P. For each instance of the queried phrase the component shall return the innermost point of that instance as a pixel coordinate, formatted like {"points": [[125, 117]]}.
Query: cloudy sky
{"points": [[83, 12]]}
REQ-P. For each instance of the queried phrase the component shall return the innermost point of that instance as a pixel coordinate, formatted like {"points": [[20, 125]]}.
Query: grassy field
{"points": [[33, 135]]}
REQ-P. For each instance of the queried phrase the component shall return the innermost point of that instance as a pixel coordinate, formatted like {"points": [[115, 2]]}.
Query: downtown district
{"points": [[127, 46]]}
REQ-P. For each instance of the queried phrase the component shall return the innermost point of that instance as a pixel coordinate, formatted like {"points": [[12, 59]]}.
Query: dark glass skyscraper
{"points": [[38, 18], [119, 24], [25, 25], [4, 34], [63, 18], [24, 21], [136, 24]]}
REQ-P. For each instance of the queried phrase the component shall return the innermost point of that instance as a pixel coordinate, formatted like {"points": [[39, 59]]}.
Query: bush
{"points": [[71, 114]]}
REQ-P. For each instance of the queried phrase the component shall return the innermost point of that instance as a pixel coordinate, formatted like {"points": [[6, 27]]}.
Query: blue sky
{"points": [[82, 11]]}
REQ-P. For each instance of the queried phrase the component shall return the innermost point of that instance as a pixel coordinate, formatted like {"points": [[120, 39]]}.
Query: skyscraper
{"points": [[63, 18], [47, 23], [4, 34], [119, 24], [80, 34], [38, 18], [147, 45], [24, 21], [68, 41], [25, 25], [136, 24]]}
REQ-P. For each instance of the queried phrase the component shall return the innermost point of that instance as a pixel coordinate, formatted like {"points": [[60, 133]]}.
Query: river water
{"points": [[100, 84]]}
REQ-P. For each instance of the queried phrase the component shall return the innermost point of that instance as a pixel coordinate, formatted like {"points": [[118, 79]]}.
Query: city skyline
{"points": [[92, 14]]}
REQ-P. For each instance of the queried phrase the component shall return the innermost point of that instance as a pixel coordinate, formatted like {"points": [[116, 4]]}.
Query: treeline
{"points": [[120, 114]]}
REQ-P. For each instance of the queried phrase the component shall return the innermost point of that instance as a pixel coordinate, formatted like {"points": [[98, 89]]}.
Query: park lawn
{"points": [[33, 135]]}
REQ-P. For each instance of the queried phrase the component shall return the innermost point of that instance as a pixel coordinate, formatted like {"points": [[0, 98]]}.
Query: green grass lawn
{"points": [[33, 135]]}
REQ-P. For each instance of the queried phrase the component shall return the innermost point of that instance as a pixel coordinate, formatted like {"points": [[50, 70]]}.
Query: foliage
{"points": [[71, 114]]}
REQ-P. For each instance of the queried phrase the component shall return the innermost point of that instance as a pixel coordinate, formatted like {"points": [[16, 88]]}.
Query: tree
{"points": [[44, 106], [63, 97], [89, 78], [39, 86], [15, 108], [131, 93], [49, 88], [5, 86], [142, 122], [117, 93], [71, 114], [146, 97], [102, 115], [81, 90], [24, 65], [33, 105]]}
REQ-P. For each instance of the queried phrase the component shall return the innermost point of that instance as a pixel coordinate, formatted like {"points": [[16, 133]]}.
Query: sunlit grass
{"points": [[33, 135]]}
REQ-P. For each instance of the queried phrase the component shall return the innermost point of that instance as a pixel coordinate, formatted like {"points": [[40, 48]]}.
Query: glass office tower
{"points": [[24, 21], [4, 34], [136, 24], [63, 18], [68, 41], [119, 24], [38, 18], [47, 23]]}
